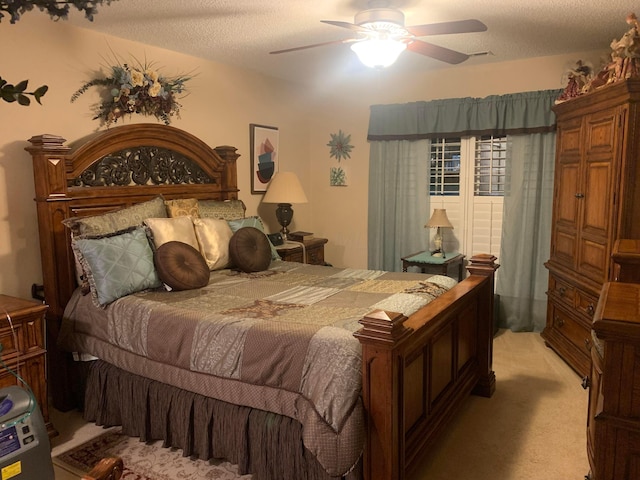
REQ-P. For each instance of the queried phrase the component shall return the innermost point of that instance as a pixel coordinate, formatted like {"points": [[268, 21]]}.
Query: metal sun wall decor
{"points": [[340, 149]]}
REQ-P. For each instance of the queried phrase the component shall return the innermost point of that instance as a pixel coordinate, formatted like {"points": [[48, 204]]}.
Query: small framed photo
{"points": [[264, 156]]}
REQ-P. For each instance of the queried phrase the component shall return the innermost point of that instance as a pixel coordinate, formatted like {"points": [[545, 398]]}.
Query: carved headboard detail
{"points": [[143, 166]]}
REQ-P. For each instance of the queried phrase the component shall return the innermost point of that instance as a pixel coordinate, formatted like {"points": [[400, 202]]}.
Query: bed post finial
{"points": [[47, 141], [483, 264], [382, 326]]}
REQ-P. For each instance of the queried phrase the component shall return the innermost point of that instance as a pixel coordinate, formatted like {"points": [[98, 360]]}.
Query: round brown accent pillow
{"points": [[181, 266], [250, 250]]}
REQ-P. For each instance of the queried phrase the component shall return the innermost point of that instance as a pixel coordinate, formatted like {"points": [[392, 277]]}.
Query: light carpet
{"points": [[534, 428]]}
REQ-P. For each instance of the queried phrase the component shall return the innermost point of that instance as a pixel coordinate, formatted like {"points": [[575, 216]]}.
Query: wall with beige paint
{"points": [[223, 101]]}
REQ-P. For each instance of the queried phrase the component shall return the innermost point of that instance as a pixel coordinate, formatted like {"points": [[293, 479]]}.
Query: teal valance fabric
{"points": [[528, 112]]}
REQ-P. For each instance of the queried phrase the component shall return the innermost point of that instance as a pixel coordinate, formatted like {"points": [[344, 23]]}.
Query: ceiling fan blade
{"points": [[437, 52], [304, 47], [350, 26], [461, 26]]}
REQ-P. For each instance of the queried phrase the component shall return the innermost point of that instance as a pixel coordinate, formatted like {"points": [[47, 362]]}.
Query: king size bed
{"points": [[290, 371]]}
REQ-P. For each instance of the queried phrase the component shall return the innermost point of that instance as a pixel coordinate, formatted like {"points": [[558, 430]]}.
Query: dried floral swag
{"points": [[140, 90]]}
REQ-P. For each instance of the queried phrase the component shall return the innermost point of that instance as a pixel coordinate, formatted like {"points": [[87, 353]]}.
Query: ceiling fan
{"points": [[382, 36]]}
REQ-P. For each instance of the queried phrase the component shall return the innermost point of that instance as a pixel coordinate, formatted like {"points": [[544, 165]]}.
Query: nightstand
{"points": [[314, 248], [439, 265], [23, 348]]}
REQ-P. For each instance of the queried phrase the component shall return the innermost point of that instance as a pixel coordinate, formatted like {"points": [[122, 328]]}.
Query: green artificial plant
{"points": [[55, 9], [16, 93]]}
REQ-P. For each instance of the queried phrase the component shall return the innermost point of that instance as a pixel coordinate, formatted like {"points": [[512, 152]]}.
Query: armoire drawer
{"points": [[572, 329], [586, 304], [562, 291]]}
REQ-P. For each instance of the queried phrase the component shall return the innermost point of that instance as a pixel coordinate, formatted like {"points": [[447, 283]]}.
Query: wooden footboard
{"points": [[417, 371]]}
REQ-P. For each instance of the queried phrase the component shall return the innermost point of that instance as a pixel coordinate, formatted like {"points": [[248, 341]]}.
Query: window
{"points": [[467, 178], [489, 165], [445, 167]]}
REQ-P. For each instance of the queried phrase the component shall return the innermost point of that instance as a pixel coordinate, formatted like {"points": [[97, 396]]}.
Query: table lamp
{"points": [[284, 189], [438, 220]]}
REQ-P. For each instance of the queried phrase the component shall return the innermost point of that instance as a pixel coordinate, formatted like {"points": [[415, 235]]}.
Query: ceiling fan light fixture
{"points": [[378, 53], [383, 15]]}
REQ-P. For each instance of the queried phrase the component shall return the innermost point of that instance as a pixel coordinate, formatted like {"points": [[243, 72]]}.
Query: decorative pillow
{"points": [[255, 222], [118, 220], [249, 250], [117, 265], [227, 209], [213, 236], [165, 230], [180, 266], [182, 207], [81, 276]]}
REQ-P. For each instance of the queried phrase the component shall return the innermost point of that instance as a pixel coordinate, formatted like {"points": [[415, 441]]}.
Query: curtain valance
{"points": [[528, 112]]}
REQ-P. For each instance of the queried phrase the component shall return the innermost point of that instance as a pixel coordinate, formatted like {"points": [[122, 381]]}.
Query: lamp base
{"points": [[437, 242], [284, 214]]}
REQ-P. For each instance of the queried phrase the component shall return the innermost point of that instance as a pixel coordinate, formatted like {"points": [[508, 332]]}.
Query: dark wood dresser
{"points": [[613, 422], [613, 419], [596, 201], [23, 351]]}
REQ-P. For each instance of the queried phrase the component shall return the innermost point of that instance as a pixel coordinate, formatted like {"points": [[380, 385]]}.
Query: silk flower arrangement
{"points": [[141, 90]]}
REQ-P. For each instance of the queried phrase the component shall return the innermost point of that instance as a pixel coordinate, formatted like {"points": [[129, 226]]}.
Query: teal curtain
{"points": [[398, 202], [528, 112], [526, 231]]}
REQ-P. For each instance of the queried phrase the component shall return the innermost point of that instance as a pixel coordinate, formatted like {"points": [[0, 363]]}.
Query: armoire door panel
{"points": [[564, 248], [601, 132], [566, 202], [593, 260], [569, 141], [596, 210]]}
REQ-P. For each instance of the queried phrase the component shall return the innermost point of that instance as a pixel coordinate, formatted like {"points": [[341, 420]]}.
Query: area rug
{"points": [[143, 461]]}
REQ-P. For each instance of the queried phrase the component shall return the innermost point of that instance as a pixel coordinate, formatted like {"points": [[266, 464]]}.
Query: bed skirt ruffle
{"points": [[267, 445]]}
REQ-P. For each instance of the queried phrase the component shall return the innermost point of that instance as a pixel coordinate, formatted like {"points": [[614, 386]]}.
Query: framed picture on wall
{"points": [[264, 156]]}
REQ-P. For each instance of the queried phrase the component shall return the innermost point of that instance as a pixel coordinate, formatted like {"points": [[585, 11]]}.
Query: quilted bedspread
{"points": [[288, 329]]}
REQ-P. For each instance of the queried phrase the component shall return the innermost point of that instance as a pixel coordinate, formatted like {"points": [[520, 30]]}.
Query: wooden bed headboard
{"points": [[107, 171]]}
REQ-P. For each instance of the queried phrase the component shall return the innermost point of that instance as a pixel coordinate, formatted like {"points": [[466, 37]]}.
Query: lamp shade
{"points": [[378, 52], [285, 187], [439, 219]]}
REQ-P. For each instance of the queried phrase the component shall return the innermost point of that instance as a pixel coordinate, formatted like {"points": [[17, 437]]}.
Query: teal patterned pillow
{"points": [[119, 220], [117, 265], [255, 222]]}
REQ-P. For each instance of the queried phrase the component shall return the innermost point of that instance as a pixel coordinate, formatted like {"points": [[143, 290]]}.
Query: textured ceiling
{"points": [[243, 32]]}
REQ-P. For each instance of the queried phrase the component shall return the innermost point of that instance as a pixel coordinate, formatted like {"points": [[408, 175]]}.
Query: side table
{"points": [[438, 265], [313, 251], [23, 348]]}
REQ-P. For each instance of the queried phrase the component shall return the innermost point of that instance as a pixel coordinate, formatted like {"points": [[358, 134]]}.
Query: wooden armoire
{"points": [[596, 201]]}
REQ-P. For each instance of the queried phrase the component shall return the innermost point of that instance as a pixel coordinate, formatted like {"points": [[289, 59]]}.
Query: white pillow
{"points": [[213, 235], [178, 229]]}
